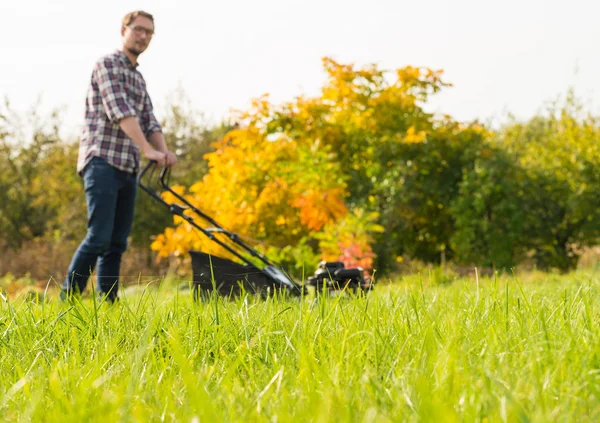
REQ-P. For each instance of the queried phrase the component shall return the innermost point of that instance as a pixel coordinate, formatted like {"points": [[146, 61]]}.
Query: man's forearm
{"points": [[157, 139], [132, 128]]}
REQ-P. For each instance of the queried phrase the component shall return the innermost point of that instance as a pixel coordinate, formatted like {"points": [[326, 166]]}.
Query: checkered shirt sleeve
{"points": [[148, 121], [110, 86]]}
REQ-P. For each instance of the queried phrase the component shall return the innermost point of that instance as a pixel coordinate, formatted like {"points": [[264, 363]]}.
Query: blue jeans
{"points": [[110, 196]]}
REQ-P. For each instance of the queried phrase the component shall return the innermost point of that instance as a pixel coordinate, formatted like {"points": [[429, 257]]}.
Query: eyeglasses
{"points": [[139, 30]]}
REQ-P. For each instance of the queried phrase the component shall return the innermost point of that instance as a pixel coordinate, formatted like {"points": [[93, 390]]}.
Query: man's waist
{"points": [[127, 160]]}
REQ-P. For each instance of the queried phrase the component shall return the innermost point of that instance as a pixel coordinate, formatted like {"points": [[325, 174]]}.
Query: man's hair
{"points": [[130, 17]]}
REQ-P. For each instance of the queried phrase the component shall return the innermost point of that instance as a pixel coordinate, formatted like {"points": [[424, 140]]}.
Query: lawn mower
{"points": [[252, 272]]}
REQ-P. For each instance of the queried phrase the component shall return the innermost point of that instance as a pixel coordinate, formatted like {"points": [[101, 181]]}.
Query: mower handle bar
{"points": [[178, 210]]}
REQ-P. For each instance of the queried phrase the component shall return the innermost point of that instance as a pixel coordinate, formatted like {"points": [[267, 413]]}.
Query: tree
{"points": [[291, 173], [561, 155], [33, 185], [490, 211], [533, 190], [401, 163]]}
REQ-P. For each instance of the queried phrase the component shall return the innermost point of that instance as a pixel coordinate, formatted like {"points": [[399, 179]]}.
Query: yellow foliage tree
{"points": [[289, 174]]}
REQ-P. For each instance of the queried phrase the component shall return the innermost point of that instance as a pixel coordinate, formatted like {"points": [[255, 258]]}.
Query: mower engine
{"points": [[334, 276]]}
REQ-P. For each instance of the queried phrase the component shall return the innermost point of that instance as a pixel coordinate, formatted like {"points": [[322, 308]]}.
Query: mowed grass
{"points": [[503, 349]]}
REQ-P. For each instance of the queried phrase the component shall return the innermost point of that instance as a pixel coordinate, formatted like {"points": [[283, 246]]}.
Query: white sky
{"points": [[509, 55]]}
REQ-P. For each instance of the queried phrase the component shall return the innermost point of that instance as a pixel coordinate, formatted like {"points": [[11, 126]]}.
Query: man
{"points": [[119, 128]]}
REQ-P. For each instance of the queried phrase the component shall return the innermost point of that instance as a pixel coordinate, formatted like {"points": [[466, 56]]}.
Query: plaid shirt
{"points": [[117, 90]]}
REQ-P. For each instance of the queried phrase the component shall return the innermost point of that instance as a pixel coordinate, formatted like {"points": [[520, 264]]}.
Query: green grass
{"points": [[500, 350]]}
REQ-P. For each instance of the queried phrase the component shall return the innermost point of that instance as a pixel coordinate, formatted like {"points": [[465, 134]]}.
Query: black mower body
{"points": [[230, 278]]}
